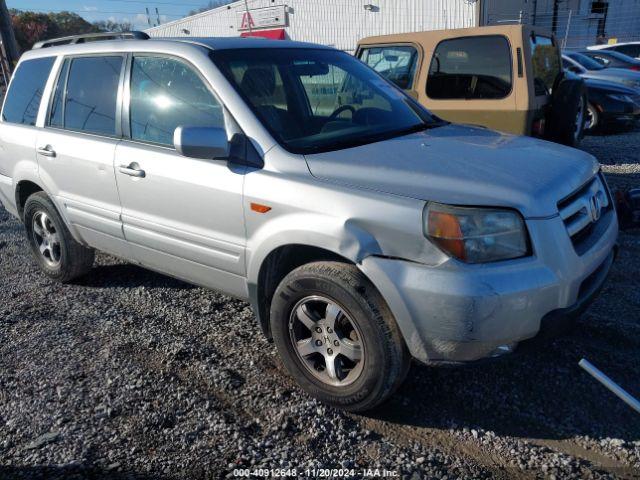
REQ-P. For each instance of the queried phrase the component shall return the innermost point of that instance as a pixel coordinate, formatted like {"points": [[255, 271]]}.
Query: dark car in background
{"points": [[609, 104], [589, 68], [631, 49], [613, 59]]}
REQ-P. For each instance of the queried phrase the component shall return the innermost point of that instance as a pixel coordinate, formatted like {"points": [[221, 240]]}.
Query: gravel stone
{"points": [[131, 374]]}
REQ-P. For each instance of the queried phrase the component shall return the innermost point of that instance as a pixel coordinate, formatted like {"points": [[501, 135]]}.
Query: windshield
{"points": [[586, 62], [314, 100]]}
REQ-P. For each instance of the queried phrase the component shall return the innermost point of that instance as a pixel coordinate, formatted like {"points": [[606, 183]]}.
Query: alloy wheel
{"points": [[591, 118], [326, 340], [46, 238]]}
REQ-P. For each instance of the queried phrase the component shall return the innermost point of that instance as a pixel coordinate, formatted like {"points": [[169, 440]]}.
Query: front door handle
{"points": [[46, 151], [133, 170]]}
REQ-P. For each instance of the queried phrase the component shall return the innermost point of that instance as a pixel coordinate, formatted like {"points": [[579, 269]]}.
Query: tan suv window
{"points": [[546, 64], [471, 68], [395, 63]]}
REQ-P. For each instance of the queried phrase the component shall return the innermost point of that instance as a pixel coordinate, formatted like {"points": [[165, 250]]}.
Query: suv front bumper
{"points": [[455, 312]]}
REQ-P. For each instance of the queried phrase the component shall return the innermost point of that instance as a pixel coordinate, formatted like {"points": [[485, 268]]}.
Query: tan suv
{"points": [[507, 78]]}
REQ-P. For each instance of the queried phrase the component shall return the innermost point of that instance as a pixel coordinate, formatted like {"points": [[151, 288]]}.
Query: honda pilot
{"points": [[364, 231]]}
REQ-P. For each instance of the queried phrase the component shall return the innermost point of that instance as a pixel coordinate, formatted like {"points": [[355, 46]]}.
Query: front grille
{"points": [[585, 213]]}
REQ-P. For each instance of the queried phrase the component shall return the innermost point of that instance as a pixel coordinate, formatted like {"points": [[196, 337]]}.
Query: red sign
{"points": [[247, 21], [277, 34]]}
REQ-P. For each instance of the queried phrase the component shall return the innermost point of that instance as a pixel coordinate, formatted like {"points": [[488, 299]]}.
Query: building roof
{"points": [[228, 43]]}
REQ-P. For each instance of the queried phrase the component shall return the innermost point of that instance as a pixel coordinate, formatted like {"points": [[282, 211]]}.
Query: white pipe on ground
{"points": [[610, 384]]}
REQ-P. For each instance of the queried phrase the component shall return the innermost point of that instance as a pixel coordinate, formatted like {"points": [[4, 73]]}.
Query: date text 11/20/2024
{"points": [[315, 473]]}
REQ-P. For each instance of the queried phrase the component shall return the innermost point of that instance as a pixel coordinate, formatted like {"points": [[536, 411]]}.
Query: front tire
{"points": [[58, 255], [337, 337]]}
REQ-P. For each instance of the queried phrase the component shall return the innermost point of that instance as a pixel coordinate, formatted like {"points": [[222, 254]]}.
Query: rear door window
{"points": [[471, 68], [25, 93], [396, 63], [91, 94], [546, 63]]}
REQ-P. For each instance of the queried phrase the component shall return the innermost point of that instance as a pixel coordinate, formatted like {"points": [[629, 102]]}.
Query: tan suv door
{"points": [[470, 80]]}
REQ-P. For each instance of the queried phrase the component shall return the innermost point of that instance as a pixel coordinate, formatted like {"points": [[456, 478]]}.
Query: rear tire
{"points": [[58, 255], [568, 111], [317, 296]]}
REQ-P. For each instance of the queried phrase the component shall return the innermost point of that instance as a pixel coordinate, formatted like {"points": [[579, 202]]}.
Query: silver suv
{"points": [[363, 230]]}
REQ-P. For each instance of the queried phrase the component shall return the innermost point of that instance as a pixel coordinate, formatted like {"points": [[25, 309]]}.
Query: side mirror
{"points": [[201, 142]]}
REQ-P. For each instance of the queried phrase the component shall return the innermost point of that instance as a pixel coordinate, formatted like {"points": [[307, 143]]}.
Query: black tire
{"points": [[74, 259], [569, 98], [385, 357]]}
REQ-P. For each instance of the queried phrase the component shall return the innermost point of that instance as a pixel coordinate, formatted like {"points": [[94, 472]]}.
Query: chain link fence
{"points": [[579, 29]]}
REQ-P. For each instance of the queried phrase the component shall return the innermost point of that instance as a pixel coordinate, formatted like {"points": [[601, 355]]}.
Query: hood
{"points": [[463, 165], [609, 87], [620, 75]]}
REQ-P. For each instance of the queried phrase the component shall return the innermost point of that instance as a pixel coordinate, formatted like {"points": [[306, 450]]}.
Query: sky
{"points": [[118, 10]]}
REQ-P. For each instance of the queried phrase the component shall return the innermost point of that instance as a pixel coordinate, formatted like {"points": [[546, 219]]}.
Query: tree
{"points": [[67, 23], [32, 27], [210, 5], [113, 26]]}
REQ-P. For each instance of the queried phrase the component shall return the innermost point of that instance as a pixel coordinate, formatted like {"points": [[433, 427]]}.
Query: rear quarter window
{"points": [[471, 68], [26, 90]]}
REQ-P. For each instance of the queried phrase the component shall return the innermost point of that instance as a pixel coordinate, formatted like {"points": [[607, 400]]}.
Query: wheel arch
{"points": [[276, 265], [24, 189]]}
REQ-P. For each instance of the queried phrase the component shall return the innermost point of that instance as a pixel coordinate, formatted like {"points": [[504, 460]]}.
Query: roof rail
{"points": [[91, 37]]}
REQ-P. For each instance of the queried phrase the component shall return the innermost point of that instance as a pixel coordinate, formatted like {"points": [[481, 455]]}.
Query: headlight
{"points": [[621, 97], [476, 235]]}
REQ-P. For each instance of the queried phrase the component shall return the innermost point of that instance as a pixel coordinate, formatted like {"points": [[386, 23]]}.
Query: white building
{"points": [[341, 23]]}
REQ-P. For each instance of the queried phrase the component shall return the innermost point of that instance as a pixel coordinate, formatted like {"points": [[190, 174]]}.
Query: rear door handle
{"points": [[133, 170], [47, 151]]}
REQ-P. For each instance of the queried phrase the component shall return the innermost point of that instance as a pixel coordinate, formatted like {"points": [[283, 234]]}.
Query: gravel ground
{"points": [[130, 374]]}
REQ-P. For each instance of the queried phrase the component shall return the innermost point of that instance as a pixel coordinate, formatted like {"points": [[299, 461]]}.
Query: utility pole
{"points": [[7, 36], [554, 24], [249, 19], [535, 12]]}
